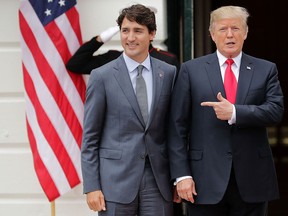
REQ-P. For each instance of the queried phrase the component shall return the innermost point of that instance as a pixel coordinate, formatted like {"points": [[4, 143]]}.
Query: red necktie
{"points": [[230, 82]]}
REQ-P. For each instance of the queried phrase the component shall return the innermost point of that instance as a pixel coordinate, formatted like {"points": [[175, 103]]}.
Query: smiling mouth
{"points": [[131, 46]]}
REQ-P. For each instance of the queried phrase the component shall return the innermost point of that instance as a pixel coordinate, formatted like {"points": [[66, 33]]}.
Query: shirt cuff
{"points": [[182, 178], [233, 118]]}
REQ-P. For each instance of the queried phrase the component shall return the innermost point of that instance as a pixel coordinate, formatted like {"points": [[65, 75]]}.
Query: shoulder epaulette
{"points": [[162, 52]]}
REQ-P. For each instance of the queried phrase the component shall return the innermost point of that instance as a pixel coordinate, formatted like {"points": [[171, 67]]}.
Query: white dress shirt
{"points": [[146, 73]]}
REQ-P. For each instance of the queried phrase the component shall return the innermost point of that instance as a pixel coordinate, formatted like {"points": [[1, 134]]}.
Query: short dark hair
{"points": [[140, 14]]}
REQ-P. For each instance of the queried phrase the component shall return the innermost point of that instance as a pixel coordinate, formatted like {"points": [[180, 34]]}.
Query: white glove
{"points": [[109, 33]]}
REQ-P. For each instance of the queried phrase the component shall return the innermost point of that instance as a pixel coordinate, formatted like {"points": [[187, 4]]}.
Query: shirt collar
{"points": [[222, 59], [132, 64]]}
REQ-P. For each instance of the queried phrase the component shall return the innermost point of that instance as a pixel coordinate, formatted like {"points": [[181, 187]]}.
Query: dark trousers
{"points": [[231, 204], [178, 209], [148, 202]]}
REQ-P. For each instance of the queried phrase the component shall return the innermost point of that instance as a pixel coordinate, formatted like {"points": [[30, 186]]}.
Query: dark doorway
{"points": [[267, 39]]}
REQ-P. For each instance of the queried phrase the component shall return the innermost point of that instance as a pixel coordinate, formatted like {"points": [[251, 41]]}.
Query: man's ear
{"points": [[212, 35], [152, 35]]}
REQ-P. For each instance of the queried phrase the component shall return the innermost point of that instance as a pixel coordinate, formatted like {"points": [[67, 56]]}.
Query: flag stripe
{"points": [[50, 34], [48, 76], [46, 153], [73, 17], [57, 37], [50, 134], [64, 25], [51, 108], [42, 171], [52, 56], [59, 41]]}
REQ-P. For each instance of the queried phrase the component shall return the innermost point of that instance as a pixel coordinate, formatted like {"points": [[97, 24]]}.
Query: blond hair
{"points": [[229, 12]]}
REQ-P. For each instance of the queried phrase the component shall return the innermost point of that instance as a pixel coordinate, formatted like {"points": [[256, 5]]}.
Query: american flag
{"points": [[50, 33]]}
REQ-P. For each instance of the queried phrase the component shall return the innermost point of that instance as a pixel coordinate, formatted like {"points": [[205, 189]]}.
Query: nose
{"points": [[131, 36], [229, 32]]}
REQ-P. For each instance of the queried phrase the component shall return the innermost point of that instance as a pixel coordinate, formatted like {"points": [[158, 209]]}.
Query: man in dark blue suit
{"points": [[219, 153]]}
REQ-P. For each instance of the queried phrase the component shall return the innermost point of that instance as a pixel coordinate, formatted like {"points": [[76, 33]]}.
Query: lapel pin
{"points": [[249, 68], [161, 75]]}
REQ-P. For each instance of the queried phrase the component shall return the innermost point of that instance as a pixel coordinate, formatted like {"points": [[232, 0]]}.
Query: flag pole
{"points": [[53, 208]]}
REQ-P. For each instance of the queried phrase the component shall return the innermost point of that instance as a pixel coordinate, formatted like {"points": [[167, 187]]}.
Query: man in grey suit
{"points": [[124, 154], [219, 153]]}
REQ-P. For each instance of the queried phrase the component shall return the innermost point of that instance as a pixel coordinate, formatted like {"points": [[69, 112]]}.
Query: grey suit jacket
{"points": [[214, 145], [115, 138]]}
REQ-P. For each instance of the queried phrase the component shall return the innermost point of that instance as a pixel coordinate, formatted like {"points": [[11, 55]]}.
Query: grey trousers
{"points": [[148, 202]]}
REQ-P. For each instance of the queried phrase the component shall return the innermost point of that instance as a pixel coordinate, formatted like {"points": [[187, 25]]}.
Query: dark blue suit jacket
{"points": [[206, 148]]}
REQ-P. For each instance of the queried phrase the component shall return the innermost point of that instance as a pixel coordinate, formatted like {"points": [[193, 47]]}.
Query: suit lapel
{"points": [[245, 76], [122, 76], [158, 77], [214, 75]]}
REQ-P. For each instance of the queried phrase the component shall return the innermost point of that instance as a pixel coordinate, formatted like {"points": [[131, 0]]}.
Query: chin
{"points": [[131, 53]]}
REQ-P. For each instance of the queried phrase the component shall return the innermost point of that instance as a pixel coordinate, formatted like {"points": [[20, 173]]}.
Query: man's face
{"points": [[229, 36], [135, 39]]}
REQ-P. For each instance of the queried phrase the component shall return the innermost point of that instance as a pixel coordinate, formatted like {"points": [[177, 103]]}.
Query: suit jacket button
{"points": [[229, 155]]}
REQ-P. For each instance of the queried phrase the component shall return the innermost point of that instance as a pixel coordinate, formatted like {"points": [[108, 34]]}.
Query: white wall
{"points": [[20, 191]]}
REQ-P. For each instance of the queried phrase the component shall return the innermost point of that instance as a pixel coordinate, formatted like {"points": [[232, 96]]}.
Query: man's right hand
{"points": [[186, 189], [96, 201]]}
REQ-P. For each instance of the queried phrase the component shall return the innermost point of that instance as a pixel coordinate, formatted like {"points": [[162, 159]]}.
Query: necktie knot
{"points": [[229, 62], [139, 70]]}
